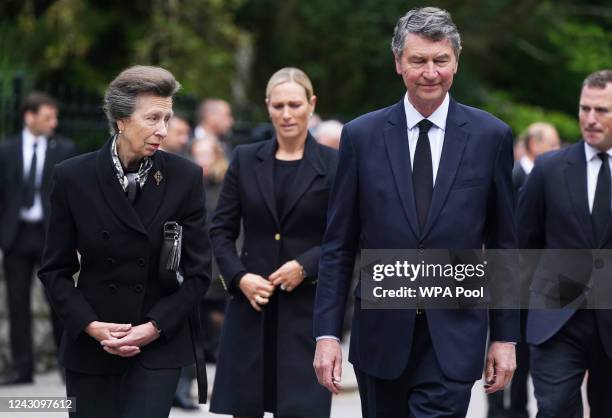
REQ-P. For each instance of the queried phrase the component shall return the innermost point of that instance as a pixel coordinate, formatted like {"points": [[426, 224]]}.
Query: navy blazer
{"points": [[372, 206], [553, 213]]}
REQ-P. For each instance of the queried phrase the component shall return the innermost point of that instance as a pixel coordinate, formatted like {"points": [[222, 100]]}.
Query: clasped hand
{"points": [[258, 290], [122, 340]]}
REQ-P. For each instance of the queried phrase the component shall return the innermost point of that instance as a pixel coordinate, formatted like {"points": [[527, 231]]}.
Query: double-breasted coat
{"points": [[119, 246], [270, 240]]}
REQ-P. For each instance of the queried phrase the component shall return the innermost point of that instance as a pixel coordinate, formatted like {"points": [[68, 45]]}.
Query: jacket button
{"points": [[277, 237], [138, 288], [141, 262], [105, 234], [599, 263], [110, 260], [112, 288]]}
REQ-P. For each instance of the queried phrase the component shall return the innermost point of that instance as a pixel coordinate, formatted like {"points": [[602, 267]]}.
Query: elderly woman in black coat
{"points": [[278, 190], [126, 334]]}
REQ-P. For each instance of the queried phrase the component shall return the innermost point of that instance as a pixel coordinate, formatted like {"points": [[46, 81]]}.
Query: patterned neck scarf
{"points": [[141, 177]]}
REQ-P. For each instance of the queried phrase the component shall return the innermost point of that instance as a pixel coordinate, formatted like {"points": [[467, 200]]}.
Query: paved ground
{"points": [[345, 405]]}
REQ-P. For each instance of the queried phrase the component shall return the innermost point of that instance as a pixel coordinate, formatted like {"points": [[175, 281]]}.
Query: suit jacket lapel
{"points": [[455, 139], [264, 174], [576, 180], [396, 142], [113, 192], [148, 203], [310, 167]]}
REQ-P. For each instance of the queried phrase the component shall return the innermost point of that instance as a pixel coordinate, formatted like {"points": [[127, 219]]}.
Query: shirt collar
{"points": [[29, 138], [591, 152], [526, 164], [438, 117]]}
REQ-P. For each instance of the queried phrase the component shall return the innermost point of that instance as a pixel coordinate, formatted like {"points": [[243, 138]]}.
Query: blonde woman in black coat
{"points": [[278, 190], [126, 336]]}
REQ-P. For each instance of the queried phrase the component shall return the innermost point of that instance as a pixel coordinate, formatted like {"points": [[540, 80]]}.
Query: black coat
{"points": [[270, 240], [11, 181], [119, 246]]}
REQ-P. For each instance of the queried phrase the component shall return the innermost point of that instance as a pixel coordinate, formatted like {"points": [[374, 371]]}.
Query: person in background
{"points": [[540, 137], [278, 191], [313, 123], [328, 133], [178, 135], [26, 165], [127, 334], [208, 154], [215, 118]]}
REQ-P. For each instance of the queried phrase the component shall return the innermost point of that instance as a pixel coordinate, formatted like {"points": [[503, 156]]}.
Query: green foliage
{"points": [[521, 60], [87, 42], [519, 116]]}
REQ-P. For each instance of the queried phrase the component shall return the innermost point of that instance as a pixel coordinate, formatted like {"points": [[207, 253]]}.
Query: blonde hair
{"points": [[288, 74]]}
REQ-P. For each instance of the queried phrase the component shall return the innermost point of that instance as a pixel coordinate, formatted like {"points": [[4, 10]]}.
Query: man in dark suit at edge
{"points": [[565, 204], [424, 173], [26, 164]]}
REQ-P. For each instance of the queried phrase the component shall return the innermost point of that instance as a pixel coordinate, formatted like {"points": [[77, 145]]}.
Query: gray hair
{"points": [[121, 95], [430, 22], [598, 79]]}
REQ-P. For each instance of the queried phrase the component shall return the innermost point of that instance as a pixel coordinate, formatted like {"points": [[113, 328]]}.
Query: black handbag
{"points": [[171, 279], [170, 256]]}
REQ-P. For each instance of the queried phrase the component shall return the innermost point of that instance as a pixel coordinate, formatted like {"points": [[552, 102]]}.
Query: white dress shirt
{"points": [[35, 213], [593, 166], [199, 132], [436, 132], [526, 164]]}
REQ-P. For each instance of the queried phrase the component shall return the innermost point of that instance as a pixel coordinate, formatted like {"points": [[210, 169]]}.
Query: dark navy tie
{"points": [[422, 173], [600, 215], [29, 188]]}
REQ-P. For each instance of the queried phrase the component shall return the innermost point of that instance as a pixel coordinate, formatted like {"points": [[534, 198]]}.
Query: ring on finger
{"points": [[282, 286], [258, 299]]}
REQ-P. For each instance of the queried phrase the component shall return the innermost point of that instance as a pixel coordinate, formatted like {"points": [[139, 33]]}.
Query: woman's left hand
{"points": [[137, 337], [288, 276]]}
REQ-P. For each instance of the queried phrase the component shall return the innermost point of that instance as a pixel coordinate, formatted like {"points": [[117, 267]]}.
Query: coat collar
{"points": [[310, 167], [143, 212]]}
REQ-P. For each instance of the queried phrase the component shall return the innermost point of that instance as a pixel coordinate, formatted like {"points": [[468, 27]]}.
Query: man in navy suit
{"points": [[424, 173], [565, 204]]}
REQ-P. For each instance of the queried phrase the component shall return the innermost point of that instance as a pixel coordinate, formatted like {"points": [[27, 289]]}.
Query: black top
{"points": [[284, 177]]}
